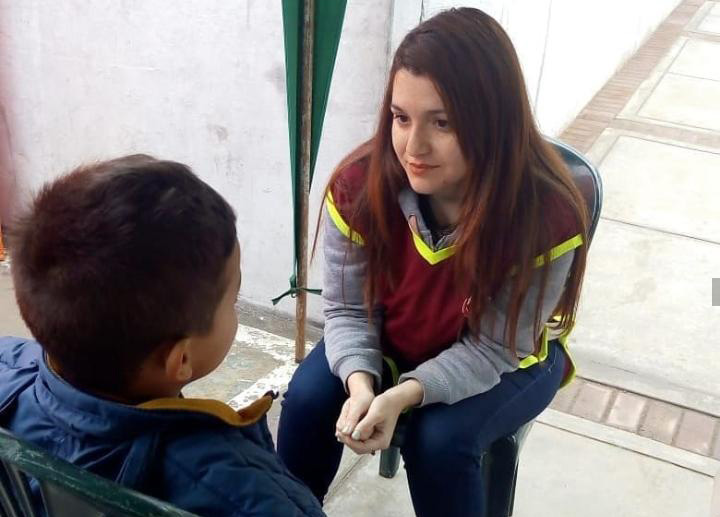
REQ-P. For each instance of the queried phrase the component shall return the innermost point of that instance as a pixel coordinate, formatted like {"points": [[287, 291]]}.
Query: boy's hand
{"points": [[360, 386]]}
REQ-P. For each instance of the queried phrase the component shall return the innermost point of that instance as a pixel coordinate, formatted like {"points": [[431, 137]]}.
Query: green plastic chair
{"points": [[67, 490], [500, 461]]}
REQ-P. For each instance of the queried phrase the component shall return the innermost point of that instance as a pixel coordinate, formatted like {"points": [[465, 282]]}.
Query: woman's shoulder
{"points": [[347, 184], [561, 219]]}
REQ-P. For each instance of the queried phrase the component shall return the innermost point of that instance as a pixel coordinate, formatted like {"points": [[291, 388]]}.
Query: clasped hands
{"points": [[367, 422]]}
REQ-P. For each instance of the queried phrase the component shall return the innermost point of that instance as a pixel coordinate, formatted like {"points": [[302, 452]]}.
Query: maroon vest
{"points": [[424, 308]]}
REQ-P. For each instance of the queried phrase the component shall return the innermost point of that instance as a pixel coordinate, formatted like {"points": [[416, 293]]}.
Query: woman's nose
{"points": [[417, 142]]}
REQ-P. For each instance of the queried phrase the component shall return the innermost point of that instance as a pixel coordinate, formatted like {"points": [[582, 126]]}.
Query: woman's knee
{"points": [[438, 446], [313, 389]]}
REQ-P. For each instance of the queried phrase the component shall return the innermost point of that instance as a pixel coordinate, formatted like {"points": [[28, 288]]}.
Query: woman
{"points": [[452, 237]]}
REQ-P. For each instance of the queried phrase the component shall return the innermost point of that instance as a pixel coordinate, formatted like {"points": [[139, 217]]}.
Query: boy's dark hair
{"points": [[117, 258]]}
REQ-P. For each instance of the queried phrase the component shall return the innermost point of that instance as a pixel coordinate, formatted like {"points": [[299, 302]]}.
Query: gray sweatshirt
{"points": [[468, 367]]}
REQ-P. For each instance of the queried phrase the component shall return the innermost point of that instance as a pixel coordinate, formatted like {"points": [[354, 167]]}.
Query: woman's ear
{"points": [[178, 363]]}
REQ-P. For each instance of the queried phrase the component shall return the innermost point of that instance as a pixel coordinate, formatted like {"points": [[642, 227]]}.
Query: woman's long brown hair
{"points": [[504, 221]]}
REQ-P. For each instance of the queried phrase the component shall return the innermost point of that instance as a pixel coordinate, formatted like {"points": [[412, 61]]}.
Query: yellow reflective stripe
{"points": [[395, 374], [560, 249], [563, 340], [340, 222], [432, 257], [534, 359], [426, 252], [528, 361], [572, 371], [394, 371]]}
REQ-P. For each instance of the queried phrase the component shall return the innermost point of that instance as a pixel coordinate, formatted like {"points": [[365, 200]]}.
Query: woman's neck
{"points": [[446, 210]]}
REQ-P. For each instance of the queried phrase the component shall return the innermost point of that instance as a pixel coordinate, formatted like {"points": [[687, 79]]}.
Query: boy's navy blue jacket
{"points": [[199, 455]]}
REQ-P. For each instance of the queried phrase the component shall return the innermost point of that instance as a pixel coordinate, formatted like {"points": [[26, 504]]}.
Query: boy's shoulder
{"points": [[19, 363], [208, 469], [19, 352]]}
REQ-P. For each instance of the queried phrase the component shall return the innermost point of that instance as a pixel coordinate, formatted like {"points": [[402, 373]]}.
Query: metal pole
{"points": [[304, 184]]}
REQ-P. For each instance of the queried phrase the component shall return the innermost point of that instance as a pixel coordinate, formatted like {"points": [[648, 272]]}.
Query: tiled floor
{"points": [[682, 90], [646, 323], [694, 19], [695, 57], [690, 107], [708, 19], [644, 185], [651, 418], [589, 478], [646, 315]]}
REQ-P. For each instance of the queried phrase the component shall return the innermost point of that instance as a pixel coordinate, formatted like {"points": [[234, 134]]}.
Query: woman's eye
{"points": [[442, 124], [400, 118]]}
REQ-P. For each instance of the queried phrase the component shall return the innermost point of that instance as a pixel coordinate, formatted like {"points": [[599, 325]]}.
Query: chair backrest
{"points": [[587, 179], [67, 490]]}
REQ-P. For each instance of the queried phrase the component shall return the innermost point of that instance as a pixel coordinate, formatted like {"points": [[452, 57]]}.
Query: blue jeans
{"points": [[443, 443]]}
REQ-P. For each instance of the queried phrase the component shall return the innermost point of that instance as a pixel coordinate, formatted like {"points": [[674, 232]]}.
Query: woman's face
{"points": [[424, 142]]}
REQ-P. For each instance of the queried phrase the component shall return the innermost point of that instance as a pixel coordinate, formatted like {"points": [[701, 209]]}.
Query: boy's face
{"points": [[210, 350]]}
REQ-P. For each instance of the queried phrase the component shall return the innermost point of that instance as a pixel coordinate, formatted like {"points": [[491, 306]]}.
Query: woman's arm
{"points": [[473, 364], [351, 341]]}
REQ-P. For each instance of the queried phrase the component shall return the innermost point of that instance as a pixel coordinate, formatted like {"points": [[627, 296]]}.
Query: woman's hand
{"points": [[360, 386], [376, 429]]}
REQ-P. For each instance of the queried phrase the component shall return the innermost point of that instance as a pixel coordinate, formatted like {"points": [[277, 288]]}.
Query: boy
{"points": [[127, 272]]}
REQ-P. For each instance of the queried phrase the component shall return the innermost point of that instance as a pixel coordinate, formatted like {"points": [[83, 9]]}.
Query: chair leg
{"points": [[8, 503], [390, 457], [389, 462], [521, 436], [15, 496], [500, 484], [501, 464], [512, 493]]}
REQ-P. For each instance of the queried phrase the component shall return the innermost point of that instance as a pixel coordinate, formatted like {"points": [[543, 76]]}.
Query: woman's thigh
{"points": [[468, 427], [444, 443]]}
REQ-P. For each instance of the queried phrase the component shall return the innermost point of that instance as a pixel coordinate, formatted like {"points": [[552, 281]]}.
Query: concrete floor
{"points": [[647, 322], [11, 323], [562, 474]]}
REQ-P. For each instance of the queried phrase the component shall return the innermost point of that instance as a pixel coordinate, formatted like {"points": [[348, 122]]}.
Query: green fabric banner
{"points": [[328, 21]]}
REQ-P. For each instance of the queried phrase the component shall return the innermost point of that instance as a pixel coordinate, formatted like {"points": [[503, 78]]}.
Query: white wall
{"points": [[355, 97], [203, 82], [198, 81]]}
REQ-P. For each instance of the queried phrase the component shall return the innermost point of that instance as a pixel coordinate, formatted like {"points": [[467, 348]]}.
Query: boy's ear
{"points": [[178, 364]]}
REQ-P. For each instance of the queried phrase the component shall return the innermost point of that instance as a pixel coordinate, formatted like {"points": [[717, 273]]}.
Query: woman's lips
{"points": [[419, 169]]}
